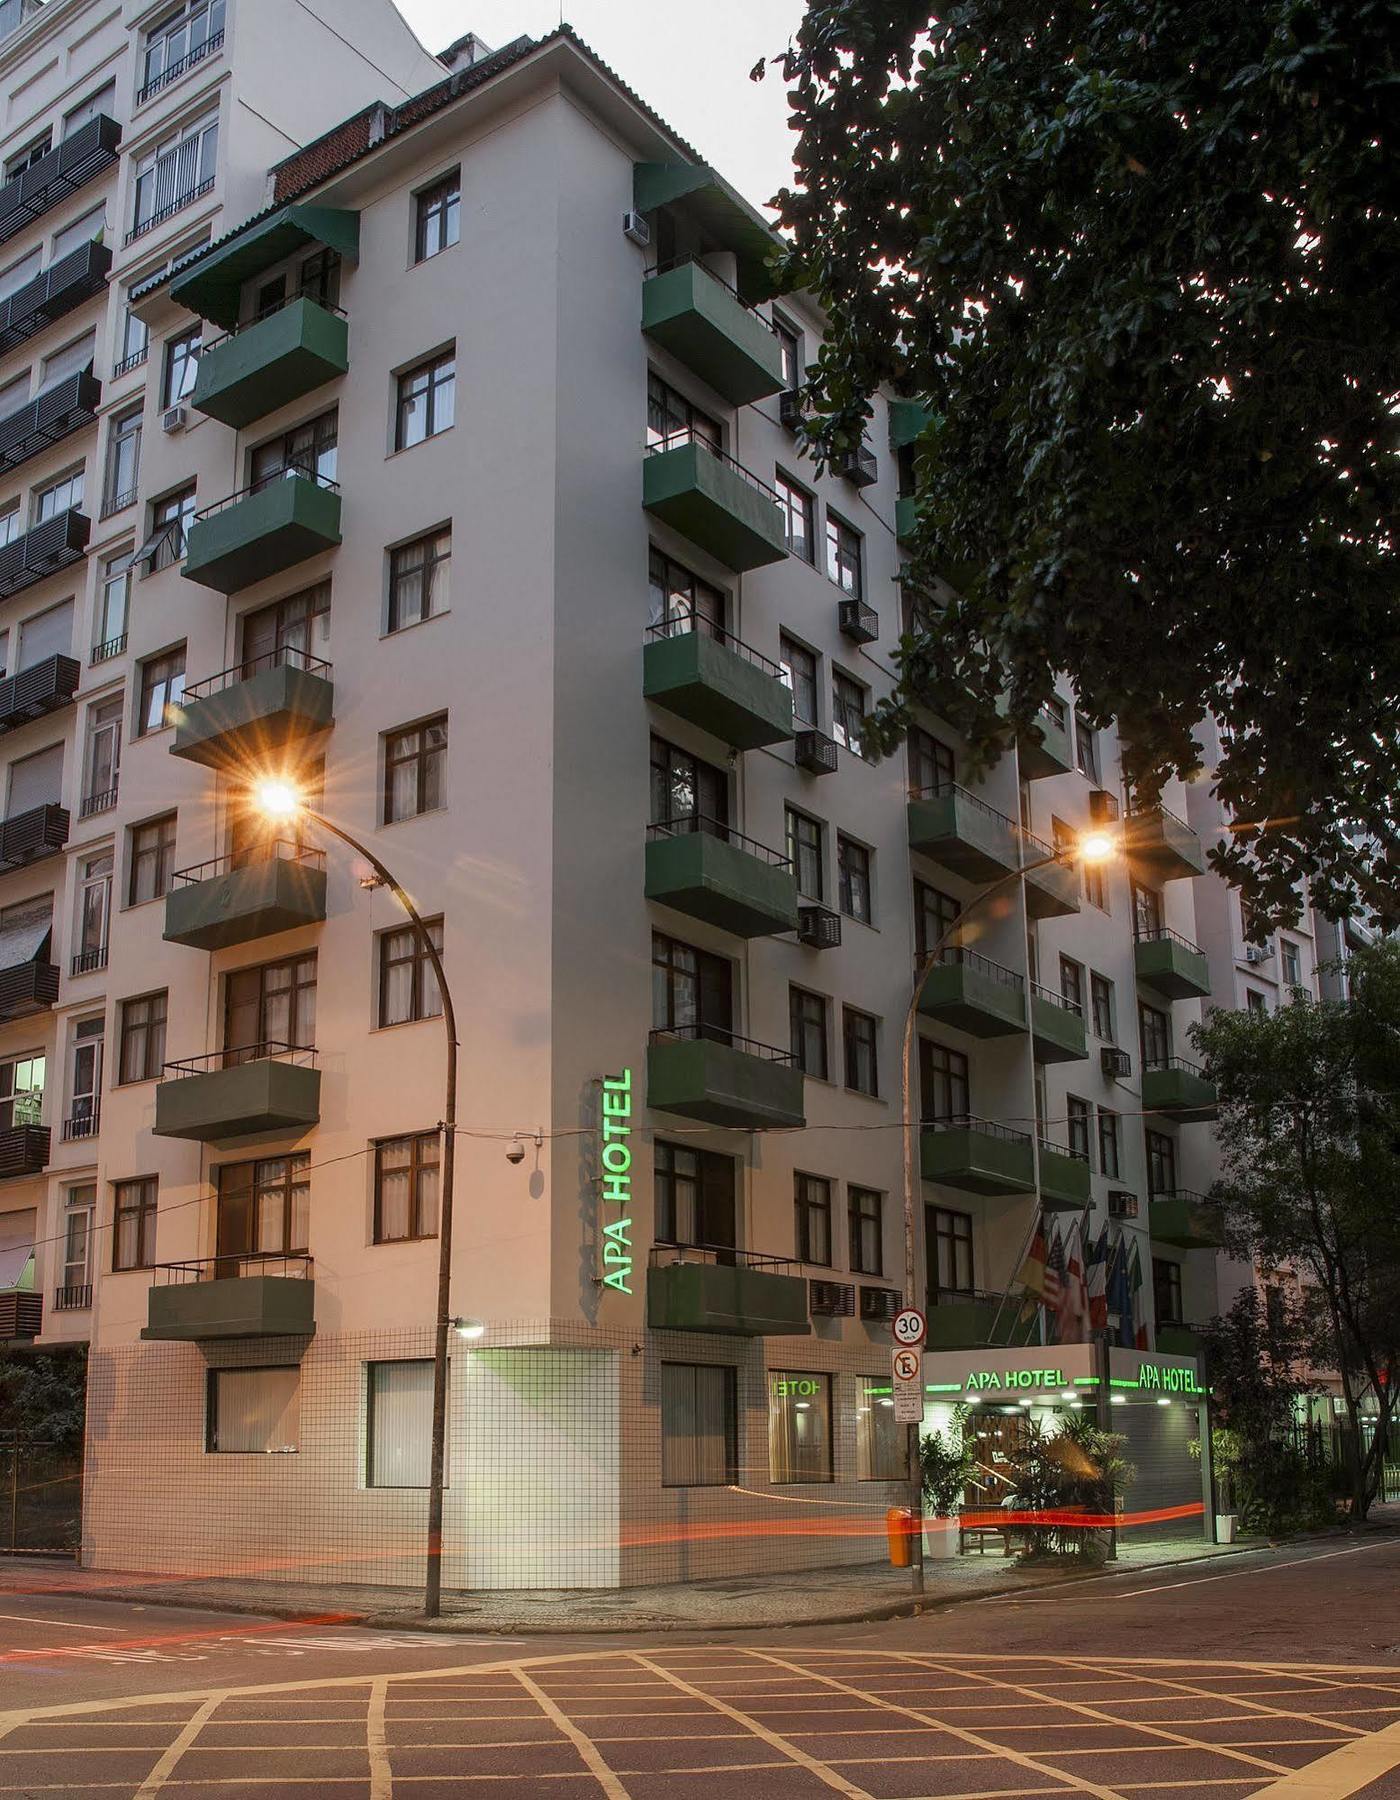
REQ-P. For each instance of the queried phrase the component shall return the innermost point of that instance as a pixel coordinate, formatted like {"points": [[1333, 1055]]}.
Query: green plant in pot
{"points": [[948, 1461]]}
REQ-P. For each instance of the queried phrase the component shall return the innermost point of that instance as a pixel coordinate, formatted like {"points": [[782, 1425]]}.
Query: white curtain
{"points": [[697, 1425], [255, 1411], [400, 1423]]}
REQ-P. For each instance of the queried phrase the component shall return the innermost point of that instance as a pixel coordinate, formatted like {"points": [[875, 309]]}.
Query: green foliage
{"points": [[948, 1463], [1309, 1134], [1079, 1467], [43, 1394], [1142, 260]]}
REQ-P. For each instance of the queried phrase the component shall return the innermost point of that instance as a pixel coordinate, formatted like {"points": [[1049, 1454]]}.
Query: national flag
{"points": [[1032, 1275], [1120, 1298], [1140, 1335], [1069, 1315], [1054, 1272], [1096, 1282]]}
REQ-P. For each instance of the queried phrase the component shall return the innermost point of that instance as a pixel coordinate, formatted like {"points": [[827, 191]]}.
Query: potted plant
{"points": [[948, 1462]]}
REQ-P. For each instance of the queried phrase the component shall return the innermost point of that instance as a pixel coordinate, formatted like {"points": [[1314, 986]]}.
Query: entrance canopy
{"points": [[1056, 1373]]}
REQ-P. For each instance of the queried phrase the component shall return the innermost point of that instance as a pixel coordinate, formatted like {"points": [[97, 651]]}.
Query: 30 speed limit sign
{"points": [[909, 1326]]}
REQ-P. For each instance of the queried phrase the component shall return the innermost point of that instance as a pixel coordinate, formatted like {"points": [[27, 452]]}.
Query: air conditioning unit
{"points": [[1122, 1205], [1103, 806], [880, 1303], [815, 752], [859, 622], [635, 228], [830, 1299], [1257, 953], [858, 466], [818, 927], [174, 418], [1115, 1063], [791, 404]]}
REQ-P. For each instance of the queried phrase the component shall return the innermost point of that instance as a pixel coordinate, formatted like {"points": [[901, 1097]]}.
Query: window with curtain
{"points": [[406, 1187], [419, 579], [150, 860], [866, 1210], [806, 852], [438, 216], [426, 400], [799, 1427], [799, 667], [812, 1206], [415, 770], [263, 1207], [141, 1045], [694, 1197], [880, 1443], [679, 601], [134, 1223], [400, 1421], [408, 984], [699, 1425], [809, 1031], [254, 1412], [687, 791]]}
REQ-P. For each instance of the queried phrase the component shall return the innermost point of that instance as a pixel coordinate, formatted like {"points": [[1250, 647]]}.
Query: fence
{"points": [[41, 1495]]}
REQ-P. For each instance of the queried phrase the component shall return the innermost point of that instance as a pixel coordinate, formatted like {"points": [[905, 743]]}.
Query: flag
{"points": [[1140, 1335], [1096, 1283], [1120, 1298], [1032, 1275], [1054, 1273], [1074, 1305]]}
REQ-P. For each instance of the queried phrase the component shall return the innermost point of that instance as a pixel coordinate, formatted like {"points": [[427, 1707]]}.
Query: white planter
{"points": [[940, 1539], [1225, 1527]]}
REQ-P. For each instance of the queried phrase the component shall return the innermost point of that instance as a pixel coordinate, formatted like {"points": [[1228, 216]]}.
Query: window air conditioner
{"points": [[1122, 1205], [858, 466], [790, 404], [831, 1299], [815, 752], [1116, 1063], [174, 418], [1257, 953], [818, 927], [880, 1303], [857, 621], [635, 227], [1103, 806]]}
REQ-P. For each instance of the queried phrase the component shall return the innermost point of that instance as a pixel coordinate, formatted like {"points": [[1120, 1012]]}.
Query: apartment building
{"points": [[435, 450]]}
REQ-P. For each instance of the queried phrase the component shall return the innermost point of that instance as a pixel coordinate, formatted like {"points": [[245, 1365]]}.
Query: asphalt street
{"points": [[1274, 1674]]}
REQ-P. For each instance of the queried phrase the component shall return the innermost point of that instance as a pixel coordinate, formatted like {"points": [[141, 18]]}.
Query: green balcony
{"points": [[1045, 747], [724, 687], [209, 1103], [1064, 1179], [977, 996], [1161, 847], [1171, 965], [963, 834], [219, 903], [1176, 1339], [716, 503], [270, 363], [1187, 1220], [728, 881], [1178, 1090], [1052, 890], [733, 1301], [242, 717], [705, 325], [190, 1307], [261, 532], [977, 1157], [735, 1083], [908, 421], [979, 1321], [906, 518], [1058, 1033]]}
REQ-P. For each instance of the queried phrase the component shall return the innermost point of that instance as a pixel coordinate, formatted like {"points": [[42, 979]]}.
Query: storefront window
{"points": [[880, 1448], [799, 1427]]}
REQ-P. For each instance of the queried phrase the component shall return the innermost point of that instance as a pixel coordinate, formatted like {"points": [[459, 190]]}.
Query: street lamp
{"points": [[1095, 848], [281, 801]]}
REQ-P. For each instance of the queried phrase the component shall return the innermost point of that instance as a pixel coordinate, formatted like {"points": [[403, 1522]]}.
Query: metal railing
{"points": [[1145, 809], [940, 789], [270, 850], [971, 1122], [1189, 1196], [1163, 934], [128, 363], [97, 803], [173, 71], [983, 965], [77, 1297], [686, 434], [256, 487], [725, 1255], [301, 1056], [720, 1034], [104, 652], [118, 503], [284, 656], [87, 962], [82, 1125], [293, 1265], [690, 823], [269, 312], [680, 262], [1050, 1147], [169, 210], [690, 626], [1158, 1063], [1054, 998]]}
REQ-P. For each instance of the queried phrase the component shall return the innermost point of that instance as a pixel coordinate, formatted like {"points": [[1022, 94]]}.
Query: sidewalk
{"points": [[742, 1603]]}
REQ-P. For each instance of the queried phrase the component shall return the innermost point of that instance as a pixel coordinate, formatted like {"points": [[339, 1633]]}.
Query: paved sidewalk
{"points": [[806, 1597]]}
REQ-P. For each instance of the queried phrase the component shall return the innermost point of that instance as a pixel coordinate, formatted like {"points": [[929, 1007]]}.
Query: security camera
{"points": [[516, 1153]]}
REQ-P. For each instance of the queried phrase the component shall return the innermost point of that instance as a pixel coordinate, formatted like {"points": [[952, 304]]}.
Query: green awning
{"points": [[211, 285], [719, 211]]}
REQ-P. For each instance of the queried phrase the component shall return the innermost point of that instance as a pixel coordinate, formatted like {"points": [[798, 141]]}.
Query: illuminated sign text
{"points": [[1017, 1378], [617, 1181]]}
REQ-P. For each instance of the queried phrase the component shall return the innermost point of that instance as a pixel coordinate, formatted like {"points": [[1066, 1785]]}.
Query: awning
{"points": [[21, 942], [210, 284], [17, 1268], [719, 210]]}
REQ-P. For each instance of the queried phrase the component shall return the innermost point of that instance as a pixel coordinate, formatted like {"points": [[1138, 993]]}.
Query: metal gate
{"points": [[41, 1495]]}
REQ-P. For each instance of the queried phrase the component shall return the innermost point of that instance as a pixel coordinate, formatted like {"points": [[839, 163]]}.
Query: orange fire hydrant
{"points": [[899, 1529]]}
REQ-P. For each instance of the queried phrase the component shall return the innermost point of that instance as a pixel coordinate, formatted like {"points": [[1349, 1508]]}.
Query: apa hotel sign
{"points": [[615, 1129]]}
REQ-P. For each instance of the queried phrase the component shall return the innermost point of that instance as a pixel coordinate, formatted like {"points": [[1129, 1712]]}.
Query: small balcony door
{"points": [[86, 1081], [94, 909]]}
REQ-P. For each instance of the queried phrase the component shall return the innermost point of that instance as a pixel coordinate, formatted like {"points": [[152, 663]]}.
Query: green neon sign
{"points": [[1003, 1379], [787, 1385], [1169, 1381], [617, 1182]]}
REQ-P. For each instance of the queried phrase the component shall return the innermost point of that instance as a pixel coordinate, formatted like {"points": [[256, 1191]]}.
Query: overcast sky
{"points": [[688, 59]]}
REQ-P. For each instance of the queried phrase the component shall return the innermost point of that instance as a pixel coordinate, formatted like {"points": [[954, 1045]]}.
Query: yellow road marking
{"points": [[189, 1731], [1253, 1706], [1346, 1771], [381, 1781], [581, 1742]]}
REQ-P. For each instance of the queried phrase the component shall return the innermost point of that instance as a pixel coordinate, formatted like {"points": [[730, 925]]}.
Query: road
{"points": [[1272, 1675]]}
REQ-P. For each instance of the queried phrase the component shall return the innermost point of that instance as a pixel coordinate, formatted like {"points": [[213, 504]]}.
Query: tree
{"points": [[1141, 260], [1309, 1135], [42, 1395]]}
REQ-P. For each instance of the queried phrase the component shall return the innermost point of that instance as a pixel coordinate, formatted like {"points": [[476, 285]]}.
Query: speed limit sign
{"points": [[909, 1326]]}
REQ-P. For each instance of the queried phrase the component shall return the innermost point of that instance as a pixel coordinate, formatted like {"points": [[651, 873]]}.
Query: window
{"points": [[308, 449], [162, 689], [799, 668], [1078, 1125], [21, 272], [1292, 964], [182, 38], [865, 1211], [859, 1042], [843, 558], [848, 710], [1086, 748], [109, 636], [171, 518], [408, 984], [286, 630], [1166, 1291], [699, 1425], [812, 1197], [950, 1239], [181, 365], [82, 231], [85, 1087], [807, 853], [1072, 984], [134, 1223], [694, 1196], [684, 789], [270, 1007], [263, 1207], [94, 911], [679, 601], [21, 1092], [1147, 911], [71, 360], [406, 1187], [790, 346], [58, 497], [672, 420], [26, 157], [943, 1080], [438, 217], [1109, 1159], [1101, 1000], [799, 1427], [141, 1050], [415, 770], [799, 517], [135, 343], [690, 989], [104, 101], [853, 870], [253, 1412], [807, 1019], [79, 1205], [935, 915], [426, 400], [318, 278], [420, 579], [150, 860], [1255, 1001], [123, 461], [173, 173], [399, 1435], [932, 766], [1161, 1163], [881, 1453], [1155, 1032], [1095, 887], [14, 393]]}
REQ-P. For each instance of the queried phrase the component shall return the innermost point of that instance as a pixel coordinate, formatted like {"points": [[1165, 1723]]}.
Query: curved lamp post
{"points": [[279, 800]]}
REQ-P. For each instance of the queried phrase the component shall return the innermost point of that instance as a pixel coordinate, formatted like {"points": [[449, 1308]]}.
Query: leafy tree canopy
{"points": [[1141, 258]]}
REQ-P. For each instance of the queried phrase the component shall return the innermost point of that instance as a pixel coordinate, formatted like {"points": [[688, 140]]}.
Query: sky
{"points": [[688, 59]]}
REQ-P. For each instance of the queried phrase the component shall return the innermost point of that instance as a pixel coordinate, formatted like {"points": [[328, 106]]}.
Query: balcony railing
{"points": [[691, 823], [294, 1265], [725, 1255], [270, 312], [682, 262], [82, 1125], [964, 958], [128, 363], [720, 1034], [1163, 934], [169, 210], [102, 802], [1054, 998], [1178, 1065], [970, 1122], [1048, 1147], [77, 1297], [42, 689], [51, 178], [47, 548], [675, 628], [275, 850], [264, 482], [285, 656], [105, 651], [173, 71], [300, 1056], [88, 962], [49, 418], [67, 283], [676, 440]]}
